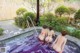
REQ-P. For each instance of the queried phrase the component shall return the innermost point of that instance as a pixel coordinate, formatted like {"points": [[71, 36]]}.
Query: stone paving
{"points": [[8, 25]]}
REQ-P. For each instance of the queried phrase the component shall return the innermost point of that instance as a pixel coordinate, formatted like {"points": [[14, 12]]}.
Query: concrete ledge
{"points": [[21, 32]]}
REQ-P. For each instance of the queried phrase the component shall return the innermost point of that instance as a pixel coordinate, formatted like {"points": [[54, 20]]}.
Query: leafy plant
{"points": [[48, 17], [62, 20], [21, 11], [21, 22], [76, 33], [61, 10], [77, 15], [29, 15], [1, 31]]}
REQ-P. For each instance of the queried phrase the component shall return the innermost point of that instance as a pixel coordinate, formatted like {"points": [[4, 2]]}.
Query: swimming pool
{"points": [[28, 43]]}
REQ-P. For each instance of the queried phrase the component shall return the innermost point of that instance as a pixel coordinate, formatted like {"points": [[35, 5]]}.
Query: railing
{"points": [[32, 24]]}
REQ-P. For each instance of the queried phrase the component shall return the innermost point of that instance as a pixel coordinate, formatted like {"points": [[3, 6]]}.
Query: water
{"points": [[27, 43]]}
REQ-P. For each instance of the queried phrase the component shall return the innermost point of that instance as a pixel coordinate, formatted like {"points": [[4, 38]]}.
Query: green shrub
{"points": [[16, 20], [77, 15], [1, 31], [43, 22], [76, 33], [21, 22], [29, 15], [24, 24], [59, 28], [51, 20], [61, 10], [62, 21], [49, 17], [21, 11]]}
